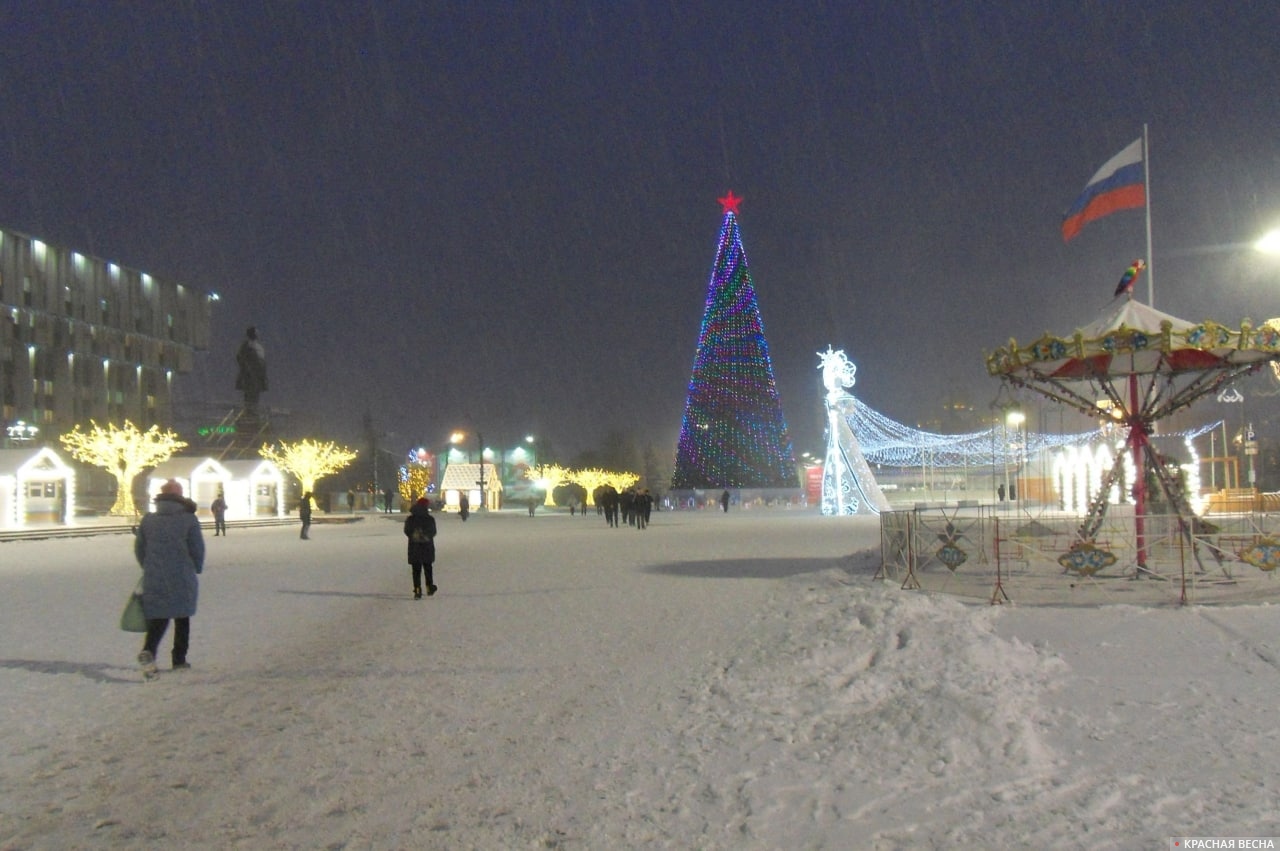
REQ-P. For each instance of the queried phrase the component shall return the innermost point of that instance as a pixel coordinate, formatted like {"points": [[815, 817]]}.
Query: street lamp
{"points": [[1269, 242], [1016, 419], [22, 432], [1247, 440], [484, 503], [456, 453]]}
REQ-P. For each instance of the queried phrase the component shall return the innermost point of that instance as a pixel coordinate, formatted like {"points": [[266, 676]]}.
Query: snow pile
{"points": [[861, 705]]}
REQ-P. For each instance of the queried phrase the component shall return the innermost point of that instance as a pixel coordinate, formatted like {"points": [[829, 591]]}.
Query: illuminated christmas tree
{"points": [[734, 434]]}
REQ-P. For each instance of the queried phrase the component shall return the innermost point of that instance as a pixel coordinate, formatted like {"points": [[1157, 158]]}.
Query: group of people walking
{"points": [[631, 506]]}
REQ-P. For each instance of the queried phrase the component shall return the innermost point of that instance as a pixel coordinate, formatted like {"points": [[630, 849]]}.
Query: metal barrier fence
{"points": [[1006, 555]]}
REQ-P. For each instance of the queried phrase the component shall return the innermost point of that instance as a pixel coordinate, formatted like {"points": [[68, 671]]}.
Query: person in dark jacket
{"points": [[304, 514], [169, 547], [643, 508], [219, 509], [420, 529]]}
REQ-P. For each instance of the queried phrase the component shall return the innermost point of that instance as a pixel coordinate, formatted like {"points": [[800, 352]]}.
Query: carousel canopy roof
{"points": [[1130, 338]]}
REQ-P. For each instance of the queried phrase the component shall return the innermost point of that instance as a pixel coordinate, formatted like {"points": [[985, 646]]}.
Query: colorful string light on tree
{"points": [[734, 434]]}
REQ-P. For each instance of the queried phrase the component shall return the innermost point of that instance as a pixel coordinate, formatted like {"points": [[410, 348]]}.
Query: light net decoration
{"points": [[1078, 462], [734, 434], [893, 444]]}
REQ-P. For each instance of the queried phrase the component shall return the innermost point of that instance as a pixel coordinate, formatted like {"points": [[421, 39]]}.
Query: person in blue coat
{"points": [[170, 548]]}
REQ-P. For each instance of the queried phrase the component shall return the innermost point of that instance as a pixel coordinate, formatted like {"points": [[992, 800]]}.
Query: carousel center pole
{"points": [[1138, 440]]}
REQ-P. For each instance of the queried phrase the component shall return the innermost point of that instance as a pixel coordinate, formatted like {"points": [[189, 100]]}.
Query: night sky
{"points": [[502, 216]]}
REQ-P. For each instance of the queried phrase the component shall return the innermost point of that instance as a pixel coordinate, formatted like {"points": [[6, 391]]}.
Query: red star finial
{"points": [[730, 203]]}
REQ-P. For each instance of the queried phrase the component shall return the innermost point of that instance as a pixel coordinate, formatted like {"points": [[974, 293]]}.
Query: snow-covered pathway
{"points": [[718, 682], [325, 702]]}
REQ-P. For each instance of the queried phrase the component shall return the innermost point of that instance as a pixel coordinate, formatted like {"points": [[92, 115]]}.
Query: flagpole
{"points": [[1146, 191], [1151, 300]]}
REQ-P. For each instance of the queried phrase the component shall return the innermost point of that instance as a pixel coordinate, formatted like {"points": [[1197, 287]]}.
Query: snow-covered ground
{"points": [[716, 681]]}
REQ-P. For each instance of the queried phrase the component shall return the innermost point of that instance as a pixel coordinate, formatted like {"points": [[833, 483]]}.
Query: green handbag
{"points": [[132, 619]]}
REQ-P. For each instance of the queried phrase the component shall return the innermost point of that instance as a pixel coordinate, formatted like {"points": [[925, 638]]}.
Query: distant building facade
{"points": [[83, 338]]}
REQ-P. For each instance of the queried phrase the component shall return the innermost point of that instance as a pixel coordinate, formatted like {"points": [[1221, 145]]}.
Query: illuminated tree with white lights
{"points": [[548, 477], [124, 453], [309, 460], [593, 477], [622, 481], [589, 480], [733, 434]]}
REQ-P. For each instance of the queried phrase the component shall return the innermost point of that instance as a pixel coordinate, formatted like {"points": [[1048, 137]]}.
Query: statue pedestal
{"points": [[251, 430]]}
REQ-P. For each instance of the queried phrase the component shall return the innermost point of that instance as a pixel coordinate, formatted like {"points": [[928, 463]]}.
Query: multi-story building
{"points": [[86, 339]]}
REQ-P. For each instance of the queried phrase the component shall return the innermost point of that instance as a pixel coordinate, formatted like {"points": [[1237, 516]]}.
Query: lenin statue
{"points": [[251, 380]]}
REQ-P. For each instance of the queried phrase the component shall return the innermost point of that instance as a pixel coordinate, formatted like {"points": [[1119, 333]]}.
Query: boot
{"points": [[147, 661], [417, 593]]}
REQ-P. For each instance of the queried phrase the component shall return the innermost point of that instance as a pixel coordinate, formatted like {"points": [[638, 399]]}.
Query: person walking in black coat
{"points": [[420, 529], [304, 514], [643, 507]]}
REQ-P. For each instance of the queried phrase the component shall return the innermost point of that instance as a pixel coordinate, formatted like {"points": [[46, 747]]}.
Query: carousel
{"points": [[1141, 366]]}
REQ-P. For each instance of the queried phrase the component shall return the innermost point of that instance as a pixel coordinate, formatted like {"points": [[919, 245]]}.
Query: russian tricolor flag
{"points": [[1118, 185]]}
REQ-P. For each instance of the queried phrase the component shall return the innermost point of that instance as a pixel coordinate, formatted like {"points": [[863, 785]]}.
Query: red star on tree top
{"points": [[730, 203]]}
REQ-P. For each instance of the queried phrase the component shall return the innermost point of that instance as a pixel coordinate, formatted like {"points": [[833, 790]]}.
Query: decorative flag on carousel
{"points": [[1118, 185]]}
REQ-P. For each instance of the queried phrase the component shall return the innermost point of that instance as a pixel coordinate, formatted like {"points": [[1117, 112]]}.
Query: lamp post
{"points": [[455, 439], [1016, 419], [22, 432], [521, 455], [1251, 450], [484, 503]]}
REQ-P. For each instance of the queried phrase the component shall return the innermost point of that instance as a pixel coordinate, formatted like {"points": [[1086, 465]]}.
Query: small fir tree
{"points": [[415, 478]]}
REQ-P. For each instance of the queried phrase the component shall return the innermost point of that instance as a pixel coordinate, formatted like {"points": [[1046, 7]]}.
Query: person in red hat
{"points": [[420, 529], [170, 548]]}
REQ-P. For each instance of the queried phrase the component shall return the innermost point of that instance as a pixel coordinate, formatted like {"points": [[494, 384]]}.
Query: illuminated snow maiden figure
{"points": [[848, 487]]}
